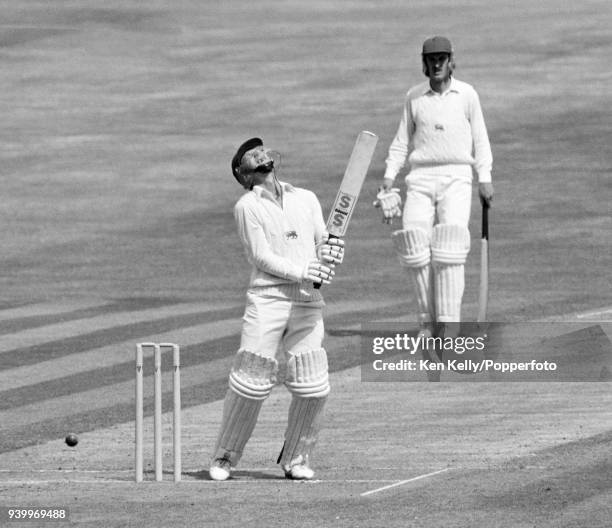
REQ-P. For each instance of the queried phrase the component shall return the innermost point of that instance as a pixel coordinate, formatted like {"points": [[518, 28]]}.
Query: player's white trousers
{"points": [[272, 325], [438, 195]]}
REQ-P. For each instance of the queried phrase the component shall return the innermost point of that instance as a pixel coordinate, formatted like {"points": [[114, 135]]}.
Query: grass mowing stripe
{"points": [[41, 431], [338, 359], [120, 372], [198, 394], [108, 336], [55, 428], [123, 305]]}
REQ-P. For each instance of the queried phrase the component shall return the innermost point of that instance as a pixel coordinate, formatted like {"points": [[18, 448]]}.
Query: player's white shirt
{"points": [[441, 129], [280, 241]]}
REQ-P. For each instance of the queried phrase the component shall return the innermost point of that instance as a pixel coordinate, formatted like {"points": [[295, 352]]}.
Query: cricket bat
{"points": [[483, 294], [350, 187]]}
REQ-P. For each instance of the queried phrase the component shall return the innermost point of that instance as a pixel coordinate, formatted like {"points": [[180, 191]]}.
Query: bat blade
{"points": [[350, 187]]}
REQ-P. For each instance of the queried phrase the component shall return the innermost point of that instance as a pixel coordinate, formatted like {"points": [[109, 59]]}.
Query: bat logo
{"points": [[344, 206], [291, 235]]}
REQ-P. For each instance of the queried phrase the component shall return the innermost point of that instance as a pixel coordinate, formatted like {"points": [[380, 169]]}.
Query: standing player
{"points": [[283, 233], [443, 134]]}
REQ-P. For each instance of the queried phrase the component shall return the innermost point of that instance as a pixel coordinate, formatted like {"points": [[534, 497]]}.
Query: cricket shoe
{"points": [[220, 469], [299, 471]]}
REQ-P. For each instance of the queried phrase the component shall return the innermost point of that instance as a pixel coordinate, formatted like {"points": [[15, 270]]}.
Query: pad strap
{"points": [[412, 247], [450, 244]]}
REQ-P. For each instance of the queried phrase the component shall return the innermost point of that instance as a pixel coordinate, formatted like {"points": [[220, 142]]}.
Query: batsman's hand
{"points": [[485, 190], [317, 272], [390, 201], [332, 251]]}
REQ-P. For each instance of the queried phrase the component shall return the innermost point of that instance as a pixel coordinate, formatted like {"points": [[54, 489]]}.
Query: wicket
{"points": [[157, 420]]}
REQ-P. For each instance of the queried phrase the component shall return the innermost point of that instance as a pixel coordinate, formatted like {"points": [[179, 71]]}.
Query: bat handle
{"points": [[484, 266], [485, 220], [317, 285]]}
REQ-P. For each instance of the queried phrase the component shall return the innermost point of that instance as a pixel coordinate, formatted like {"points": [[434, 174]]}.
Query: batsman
{"points": [[443, 136], [282, 230]]}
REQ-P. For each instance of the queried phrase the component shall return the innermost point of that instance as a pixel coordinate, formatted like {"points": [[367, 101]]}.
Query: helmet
{"points": [[237, 159]]}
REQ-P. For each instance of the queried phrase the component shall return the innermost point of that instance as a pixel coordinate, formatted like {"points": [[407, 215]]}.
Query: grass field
{"points": [[120, 120]]}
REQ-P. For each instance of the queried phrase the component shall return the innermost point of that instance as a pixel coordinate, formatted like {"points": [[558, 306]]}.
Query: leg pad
{"points": [[450, 244], [250, 383], [252, 375], [308, 380], [305, 417], [412, 247], [307, 374]]}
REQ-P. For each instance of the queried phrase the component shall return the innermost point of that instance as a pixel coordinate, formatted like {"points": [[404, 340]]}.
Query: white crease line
{"points": [[402, 482], [60, 471], [184, 481], [5, 483], [591, 314]]}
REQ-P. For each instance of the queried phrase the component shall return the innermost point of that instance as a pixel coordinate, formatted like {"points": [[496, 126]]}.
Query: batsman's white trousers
{"points": [[271, 325], [438, 195]]}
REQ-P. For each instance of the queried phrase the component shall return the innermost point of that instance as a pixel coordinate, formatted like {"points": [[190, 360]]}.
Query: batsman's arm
{"points": [[482, 147], [398, 150], [258, 250]]}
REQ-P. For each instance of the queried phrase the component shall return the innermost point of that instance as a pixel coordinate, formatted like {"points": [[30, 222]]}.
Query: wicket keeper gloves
{"points": [[332, 250], [390, 201]]}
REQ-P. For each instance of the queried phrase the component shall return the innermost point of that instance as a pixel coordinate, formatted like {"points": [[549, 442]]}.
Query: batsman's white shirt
{"points": [[280, 241], [441, 129]]}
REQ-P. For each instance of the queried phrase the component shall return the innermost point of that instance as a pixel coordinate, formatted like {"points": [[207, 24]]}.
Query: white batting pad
{"points": [[305, 417], [307, 374], [239, 418], [253, 375], [450, 244], [449, 286], [412, 247], [424, 289], [250, 382], [308, 380]]}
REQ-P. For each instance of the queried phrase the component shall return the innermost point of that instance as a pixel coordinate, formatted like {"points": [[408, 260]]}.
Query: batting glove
{"points": [[316, 272], [332, 251], [390, 201]]}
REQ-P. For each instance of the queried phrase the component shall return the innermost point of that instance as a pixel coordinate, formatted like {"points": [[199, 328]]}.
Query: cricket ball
{"points": [[72, 439]]}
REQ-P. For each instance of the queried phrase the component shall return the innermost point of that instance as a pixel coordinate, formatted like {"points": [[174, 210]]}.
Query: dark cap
{"points": [[242, 150], [437, 45]]}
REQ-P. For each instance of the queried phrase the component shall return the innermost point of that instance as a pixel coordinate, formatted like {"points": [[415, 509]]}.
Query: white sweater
{"points": [[280, 241], [441, 129]]}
